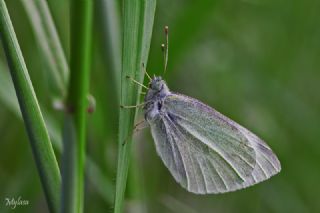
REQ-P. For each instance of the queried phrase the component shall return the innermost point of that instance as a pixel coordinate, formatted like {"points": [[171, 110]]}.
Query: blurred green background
{"points": [[255, 61]]}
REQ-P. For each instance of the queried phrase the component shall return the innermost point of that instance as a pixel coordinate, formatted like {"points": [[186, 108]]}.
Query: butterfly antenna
{"points": [[145, 71], [165, 48]]}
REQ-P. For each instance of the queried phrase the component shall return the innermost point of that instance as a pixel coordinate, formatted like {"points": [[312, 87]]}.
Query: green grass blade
{"points": [[103, 185], [138, 19], [81, 22], [8, 100], [111, 26], [36, 129], [110, 40], [7, 93], [48, 40]]}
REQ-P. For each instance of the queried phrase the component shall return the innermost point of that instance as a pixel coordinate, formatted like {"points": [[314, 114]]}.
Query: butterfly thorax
{"points": [[154, 98]]}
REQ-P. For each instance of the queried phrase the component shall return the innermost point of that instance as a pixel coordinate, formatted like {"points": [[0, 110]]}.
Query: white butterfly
{"points": [[205, 151]]}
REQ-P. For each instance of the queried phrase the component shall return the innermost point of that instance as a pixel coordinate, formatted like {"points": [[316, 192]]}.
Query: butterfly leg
{"points": [[136, 128], [136, 82], [134, 106]]}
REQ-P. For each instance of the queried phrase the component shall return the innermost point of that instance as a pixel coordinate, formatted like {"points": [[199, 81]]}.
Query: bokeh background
{"points": [[256, 61]]}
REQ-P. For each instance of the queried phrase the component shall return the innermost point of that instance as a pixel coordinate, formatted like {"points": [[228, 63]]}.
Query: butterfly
{"points": [[205, 151]]}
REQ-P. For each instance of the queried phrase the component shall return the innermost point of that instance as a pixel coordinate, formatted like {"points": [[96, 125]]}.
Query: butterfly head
{"points": [[157, 89], [156, 83]]}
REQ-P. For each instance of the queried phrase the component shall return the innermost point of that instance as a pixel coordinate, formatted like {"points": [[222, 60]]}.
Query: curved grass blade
{"points": [[111, 31], [36, 129], [103, 185], [48, 40], [138, 19]]}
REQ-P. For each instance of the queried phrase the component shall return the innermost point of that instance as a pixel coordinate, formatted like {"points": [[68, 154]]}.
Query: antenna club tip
{"points": [[166, 29]]}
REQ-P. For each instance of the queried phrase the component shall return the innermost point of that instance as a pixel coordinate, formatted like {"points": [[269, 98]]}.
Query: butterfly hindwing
{"points": [[205, 151]]}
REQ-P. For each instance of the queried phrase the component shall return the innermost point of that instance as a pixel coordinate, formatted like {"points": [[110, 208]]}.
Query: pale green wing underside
{"points": [[206, 152]]}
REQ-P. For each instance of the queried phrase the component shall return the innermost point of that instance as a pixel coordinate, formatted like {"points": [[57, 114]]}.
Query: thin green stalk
{"points": [[95, 176], [73, 178], [36, 129], [70, 200], [137, 20], [48, 40]]}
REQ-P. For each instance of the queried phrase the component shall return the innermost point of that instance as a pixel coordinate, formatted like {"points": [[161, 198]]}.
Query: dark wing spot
{"points": [[159, 104]]}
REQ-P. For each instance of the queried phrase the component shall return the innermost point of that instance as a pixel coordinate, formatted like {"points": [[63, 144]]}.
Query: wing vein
{"points": [[219, 175], [270, 161], [203, 176], [263, 171], [178, 148], [187, 148], [217, 149], [214, 184]]}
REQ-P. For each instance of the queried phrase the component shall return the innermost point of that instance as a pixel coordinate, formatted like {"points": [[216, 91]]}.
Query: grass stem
{"points": [[38, 135], [138, 19], [73, 173]]}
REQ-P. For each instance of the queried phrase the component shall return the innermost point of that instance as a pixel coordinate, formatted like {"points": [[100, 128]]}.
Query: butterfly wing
{"points": [[205, 151]]}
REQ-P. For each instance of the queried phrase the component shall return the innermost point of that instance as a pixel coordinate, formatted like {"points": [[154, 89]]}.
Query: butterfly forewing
{"points": [[207, 152]]}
